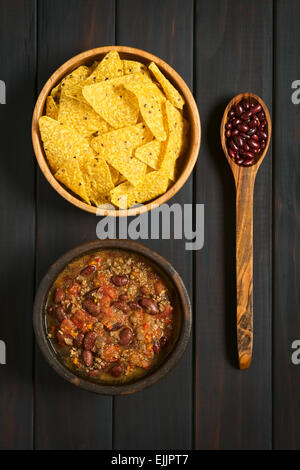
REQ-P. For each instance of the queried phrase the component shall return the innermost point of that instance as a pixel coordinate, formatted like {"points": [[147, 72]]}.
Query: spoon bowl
{"points": [[244, 177]]}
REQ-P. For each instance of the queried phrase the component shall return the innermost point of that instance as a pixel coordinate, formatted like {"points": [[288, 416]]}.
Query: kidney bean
{"points": [[244, 136], [228, 125], [261, 115], [79, 340], [255, 137], [231, 153], [262, 134], [239, 160], [126, 336], [88, 270], [236, 122], [123, 306], [134, 306], [123, 297], [149, 305], [60, 313], [262, 144], [256, 109], [246, 104], [251, 131], [253, 144], [238, 140], [120, 280], [92, 307], [88, 358], [116, 371], [233, 145], [234, 132], [116, 326], [263, 123], [239, 109], [248, 155], [228, 133], [245, 116], [89, 340], [94, 373], [242, 127], [246, 147], [247, 162], [58, 295]]}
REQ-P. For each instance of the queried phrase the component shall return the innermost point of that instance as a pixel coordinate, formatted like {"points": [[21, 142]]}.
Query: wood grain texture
{"points": [[286, 404], [244, 178], [162, 416], [17, 206], [233, 54], [65, 417]]}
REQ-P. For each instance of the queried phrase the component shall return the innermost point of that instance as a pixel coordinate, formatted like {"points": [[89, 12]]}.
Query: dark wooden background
{"points": [[220, 48]]}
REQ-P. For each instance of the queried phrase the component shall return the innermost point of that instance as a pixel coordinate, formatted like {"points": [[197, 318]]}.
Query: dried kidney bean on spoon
{"points": [[246, 132]]}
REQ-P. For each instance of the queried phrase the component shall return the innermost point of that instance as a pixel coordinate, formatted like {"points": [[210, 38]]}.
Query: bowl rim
{"points": [[82, 58], [172, 358]]}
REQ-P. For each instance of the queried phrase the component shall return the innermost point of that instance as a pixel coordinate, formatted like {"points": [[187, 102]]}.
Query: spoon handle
{"points": [[244, 266]]}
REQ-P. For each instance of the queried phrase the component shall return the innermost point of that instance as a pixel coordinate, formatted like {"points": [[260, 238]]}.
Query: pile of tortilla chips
{"points": [[113, 132]]}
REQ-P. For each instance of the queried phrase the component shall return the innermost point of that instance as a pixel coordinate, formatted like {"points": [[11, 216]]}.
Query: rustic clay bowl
{"points": [[178, 343], [191, 113]]}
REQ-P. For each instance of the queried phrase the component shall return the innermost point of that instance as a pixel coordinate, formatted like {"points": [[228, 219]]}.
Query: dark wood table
{"points": [[220, 48]]}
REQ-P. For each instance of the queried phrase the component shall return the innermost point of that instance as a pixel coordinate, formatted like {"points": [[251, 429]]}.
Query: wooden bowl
{"points": [[182, 311], [191, 113]]}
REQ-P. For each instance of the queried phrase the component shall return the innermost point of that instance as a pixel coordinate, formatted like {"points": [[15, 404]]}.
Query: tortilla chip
{"points": [[173, 146], [150, 153], [171, 93], [132, 66], [99, 177], [115, 175], [127, 138], [62, 144], [112, 102], [126, 195], [150, 104], [81, 117], [51, 108], [75, 77], [55, 92], [71, 176]]}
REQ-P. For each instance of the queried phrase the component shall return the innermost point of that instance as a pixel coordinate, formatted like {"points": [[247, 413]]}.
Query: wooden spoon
{"points": [[244, 178]]}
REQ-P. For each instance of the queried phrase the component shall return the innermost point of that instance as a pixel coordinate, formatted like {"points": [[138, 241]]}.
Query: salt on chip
{"points": [[150, 153], [150, 104], [99, 177], [133, 66], [62, 144], [112, 102], [51, 108], [75, 77], [171, 93], [71, 176], [81, 117]]}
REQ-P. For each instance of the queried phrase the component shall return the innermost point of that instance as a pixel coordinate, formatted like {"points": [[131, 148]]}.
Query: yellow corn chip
{"points": [[127, 138], [126, 195], [63, 144], [81, 117], [174, 143], [71, 176], [150, 153], [115, 175], [132, 66], [112, 102], [55, 92], [77, 76], [150, 104], [99, 177], [51, 108], [171, 93]]}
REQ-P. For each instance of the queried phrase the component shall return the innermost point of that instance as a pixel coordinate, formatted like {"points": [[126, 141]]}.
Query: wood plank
{"points": [[67, 418], [233, 51], [161, 416], [17, 238], [286, 404]]}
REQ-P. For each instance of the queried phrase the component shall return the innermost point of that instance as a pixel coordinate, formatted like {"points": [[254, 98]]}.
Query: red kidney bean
{"points": [[251, 131], [60, 313], [233, 145], [245, 116], [236, 122], [244, 136], [246, 104], [231, 113], [228, 125], [89, 340], [116, 371], [79, 340], [58, 295], [239, 161], [262, 134], [242, 127], [123, 297], [255, 137], [123, 306], [88, 270], [239, 109], [248, 155], [231, 153], [253, 144], [149, 305], [134, 306], [126, 336], [248, 162], [256, 109], [263, 123], [228, 133], [94, 373], [120, 280], [238, 141], [261, 115], [234, 132], [116, 326], [246, 147], [262, 144], [93, 308], [88, 358]]}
